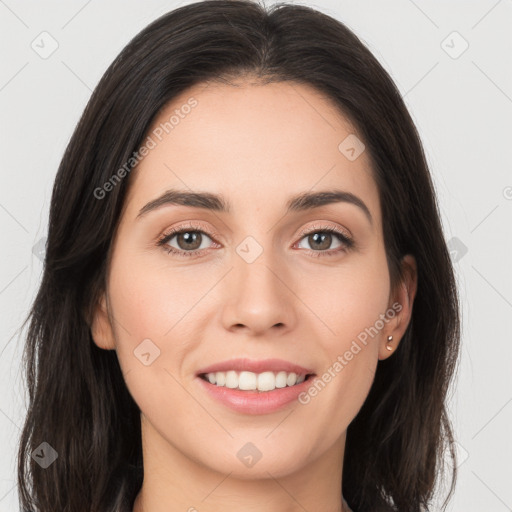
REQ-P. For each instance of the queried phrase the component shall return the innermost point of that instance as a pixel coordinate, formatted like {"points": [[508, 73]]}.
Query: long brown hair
{"points": [[78, 401]]}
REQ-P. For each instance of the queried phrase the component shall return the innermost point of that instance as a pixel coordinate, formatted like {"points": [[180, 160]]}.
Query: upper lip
{"points": [[255, 366]]}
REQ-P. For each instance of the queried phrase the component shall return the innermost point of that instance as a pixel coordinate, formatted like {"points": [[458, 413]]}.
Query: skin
{"points": [[257, 145]]}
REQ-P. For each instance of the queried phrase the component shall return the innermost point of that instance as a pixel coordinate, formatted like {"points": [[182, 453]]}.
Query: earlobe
{"points": [[404, 296], [101, 327]]}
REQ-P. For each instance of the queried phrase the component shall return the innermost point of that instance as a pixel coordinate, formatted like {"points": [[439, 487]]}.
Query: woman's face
{"points": [[255, 280]]}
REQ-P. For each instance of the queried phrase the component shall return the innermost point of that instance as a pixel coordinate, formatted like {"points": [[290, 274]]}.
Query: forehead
{"points": [[250, 141]]}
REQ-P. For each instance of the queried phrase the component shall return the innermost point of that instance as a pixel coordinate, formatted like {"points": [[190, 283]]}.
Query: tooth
{"points": [[231, 379], [266, 381], [281, 380], [250, 381], [247, 381], [291, 379]]}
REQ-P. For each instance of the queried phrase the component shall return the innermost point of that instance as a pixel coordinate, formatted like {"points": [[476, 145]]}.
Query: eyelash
{"points": [[166, 237]]}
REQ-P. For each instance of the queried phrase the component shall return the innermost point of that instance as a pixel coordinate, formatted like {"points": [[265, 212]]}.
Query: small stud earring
{"points": [[389, 347]]}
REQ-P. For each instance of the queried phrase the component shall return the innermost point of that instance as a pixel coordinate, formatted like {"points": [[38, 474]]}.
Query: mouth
{"points": [[255, 386], [250, 381]]}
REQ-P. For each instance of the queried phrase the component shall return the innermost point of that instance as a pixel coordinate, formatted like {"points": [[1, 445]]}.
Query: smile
{"points": [[250, 381]]}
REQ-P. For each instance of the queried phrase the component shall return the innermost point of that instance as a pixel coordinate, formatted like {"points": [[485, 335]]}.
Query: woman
{"points": [[191, 346]]}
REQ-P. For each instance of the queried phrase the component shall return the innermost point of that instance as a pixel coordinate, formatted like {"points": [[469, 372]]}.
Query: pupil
{"points": [[190, 238], [323, 238]]}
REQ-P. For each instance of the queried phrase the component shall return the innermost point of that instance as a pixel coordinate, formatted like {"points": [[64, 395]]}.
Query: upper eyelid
{"points": [[171, 232], [317, 227], [307, 230]]}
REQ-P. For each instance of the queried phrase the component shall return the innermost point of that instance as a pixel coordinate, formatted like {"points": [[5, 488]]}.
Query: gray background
{"points": [[460, 100]]}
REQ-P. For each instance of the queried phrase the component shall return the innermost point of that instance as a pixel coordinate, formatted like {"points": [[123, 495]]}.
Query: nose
{"points": [[259, 296]]}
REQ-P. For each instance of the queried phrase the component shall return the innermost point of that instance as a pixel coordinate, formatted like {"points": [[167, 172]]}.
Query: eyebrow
{"points": [[215, 202]]}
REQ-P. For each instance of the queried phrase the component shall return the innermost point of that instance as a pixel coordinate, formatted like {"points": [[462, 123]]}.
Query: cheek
{"points": [[353, 308], [145, 308], [148, 304], [150, 299], [351, 301]]}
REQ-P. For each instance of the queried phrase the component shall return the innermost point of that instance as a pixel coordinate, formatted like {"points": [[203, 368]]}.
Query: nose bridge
{"points": [[256, 266], [258, 293]]}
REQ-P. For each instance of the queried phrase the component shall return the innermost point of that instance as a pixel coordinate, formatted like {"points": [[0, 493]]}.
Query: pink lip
{"points": [[264, 365], [255, 402]]}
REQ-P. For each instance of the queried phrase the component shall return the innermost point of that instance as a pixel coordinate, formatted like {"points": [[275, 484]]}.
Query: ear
{"points": [[403, 298], [101, 326]]}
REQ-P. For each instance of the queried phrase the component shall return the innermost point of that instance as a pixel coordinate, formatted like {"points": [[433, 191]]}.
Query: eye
{"points": [[320, 239], [189, 240]]}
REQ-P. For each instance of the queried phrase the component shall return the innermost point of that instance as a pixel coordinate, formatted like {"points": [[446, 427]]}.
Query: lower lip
{"points": [[255, 402]]}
